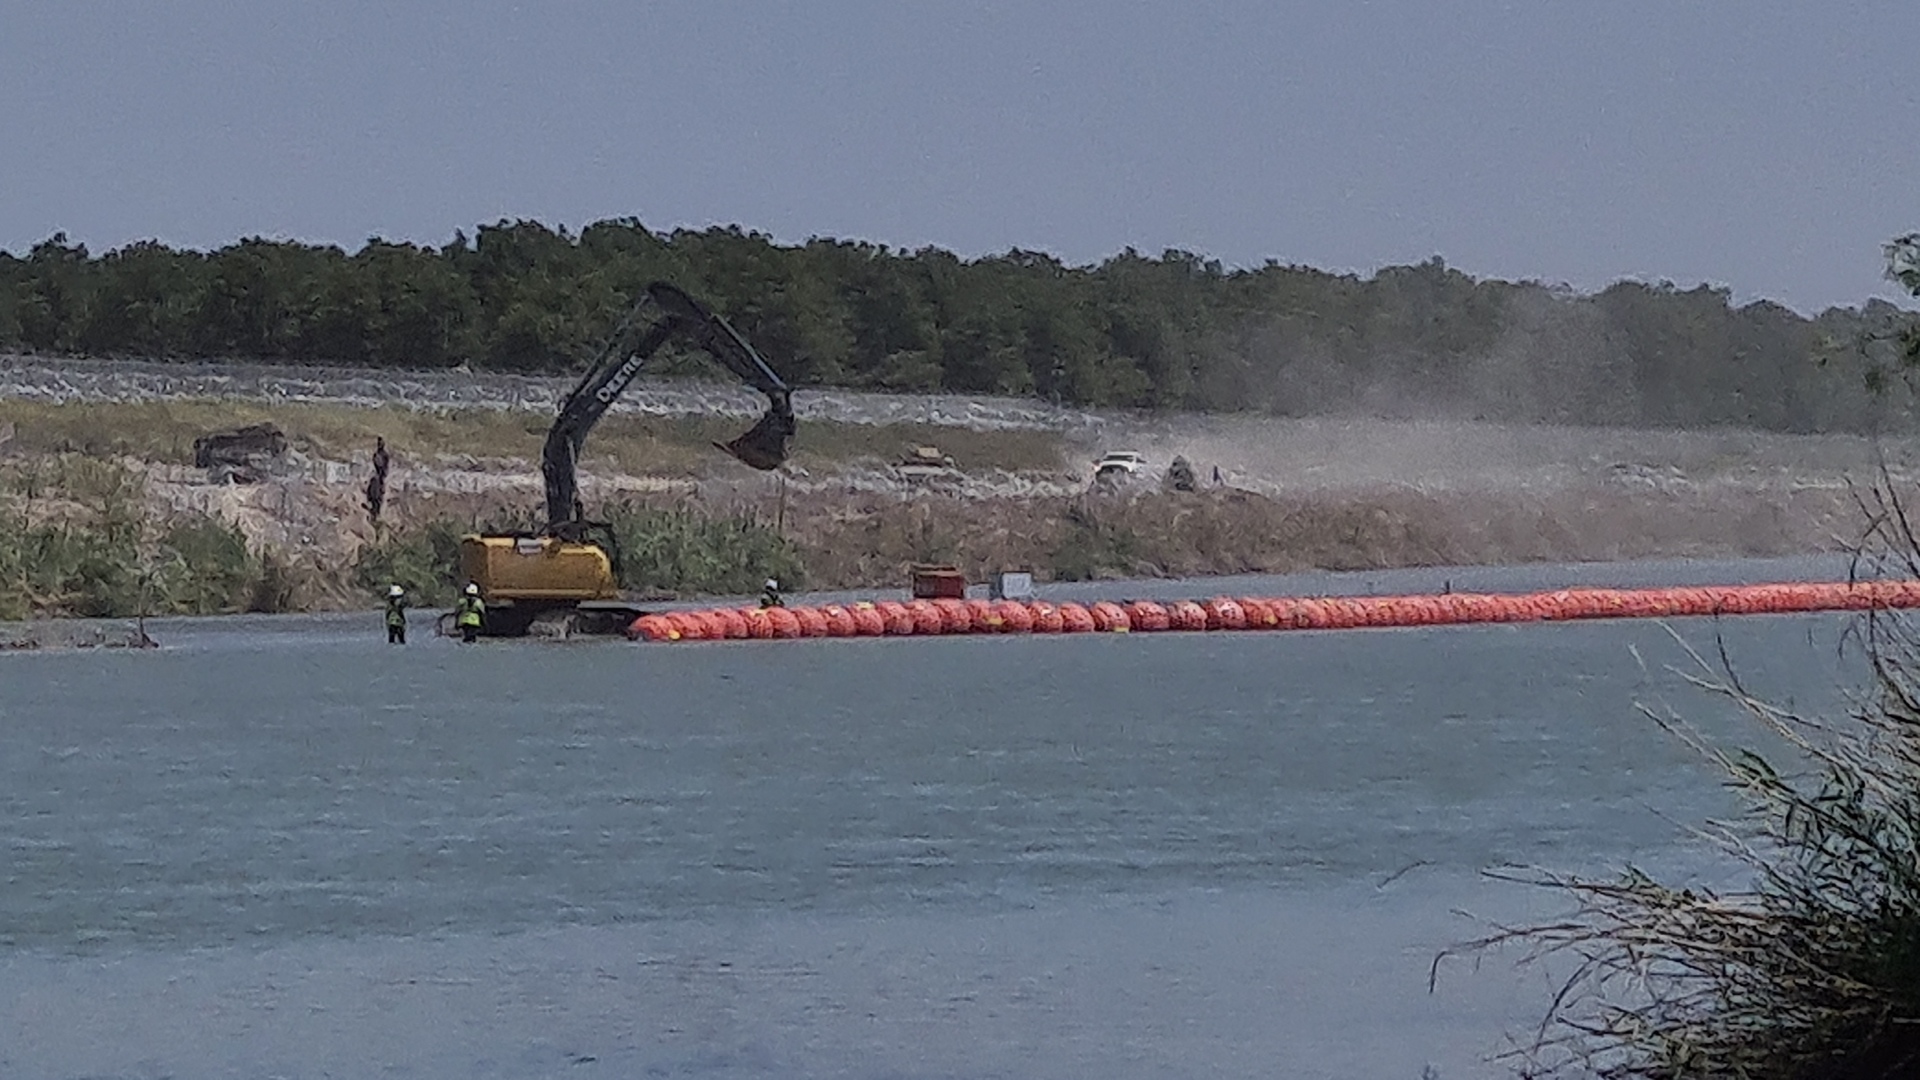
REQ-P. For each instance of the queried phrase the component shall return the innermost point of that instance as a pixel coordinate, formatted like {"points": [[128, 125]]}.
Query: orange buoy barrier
{"points": [[948, 616]]}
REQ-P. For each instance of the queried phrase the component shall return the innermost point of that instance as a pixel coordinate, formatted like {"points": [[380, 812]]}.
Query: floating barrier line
{"points": [[893, 618]]}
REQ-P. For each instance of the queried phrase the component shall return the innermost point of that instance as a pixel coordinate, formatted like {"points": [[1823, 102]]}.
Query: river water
{"points": [[277, 847]]}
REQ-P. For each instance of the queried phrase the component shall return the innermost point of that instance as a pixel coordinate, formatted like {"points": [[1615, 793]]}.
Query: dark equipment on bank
{"points": [[242, 456]]}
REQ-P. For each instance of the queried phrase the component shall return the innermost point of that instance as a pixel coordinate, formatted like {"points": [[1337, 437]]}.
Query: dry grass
{"points": [[640, 445], [852, 541], [1812, 970]]}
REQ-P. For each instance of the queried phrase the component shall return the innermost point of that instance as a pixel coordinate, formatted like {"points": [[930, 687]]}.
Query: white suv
{"points": [[1119, 463]]}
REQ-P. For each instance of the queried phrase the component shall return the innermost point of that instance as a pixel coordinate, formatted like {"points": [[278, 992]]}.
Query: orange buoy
{"points": [[783, 623], [1047, 618], [1340, 613], [1289, 613], [1109, 617], [812, 621], [1225, 613], [1373, 610], [839, 620], [1076, 619], [897, 619], [652, 628], [1186, 615], [1260, 614], [759, 626], [926, 617], [687, 625], [956, 614], [1014, 616], [982, 614], [867, 621], [1147, 617]]}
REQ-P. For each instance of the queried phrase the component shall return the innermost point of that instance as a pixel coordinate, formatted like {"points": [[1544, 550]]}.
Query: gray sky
{"points": [[1771, 147]]}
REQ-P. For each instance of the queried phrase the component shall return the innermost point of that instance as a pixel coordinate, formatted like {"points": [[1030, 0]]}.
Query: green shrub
{"points": [[424, 560], [686, 552], [105, 558], [205, 568]]}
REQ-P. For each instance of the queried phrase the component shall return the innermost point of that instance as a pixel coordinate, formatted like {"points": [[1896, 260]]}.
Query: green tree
{"points": [[1903, 266], [1175, 330], [56, 297]]}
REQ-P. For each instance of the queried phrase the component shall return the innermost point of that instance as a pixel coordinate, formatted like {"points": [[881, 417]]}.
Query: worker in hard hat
{"points": [[770, 595], [470, 613], [396, 615]]}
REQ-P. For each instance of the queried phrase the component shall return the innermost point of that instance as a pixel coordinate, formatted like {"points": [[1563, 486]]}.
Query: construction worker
{"points": [[770, 595], [470, 613], [396, 615]]}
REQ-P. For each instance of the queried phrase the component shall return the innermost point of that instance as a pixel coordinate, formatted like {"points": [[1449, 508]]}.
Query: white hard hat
{"points": [[772, 584], [395, 590], [472, 589]]}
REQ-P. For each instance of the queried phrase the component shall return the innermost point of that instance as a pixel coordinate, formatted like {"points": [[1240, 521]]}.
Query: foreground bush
{"points": [[1814, 971]]}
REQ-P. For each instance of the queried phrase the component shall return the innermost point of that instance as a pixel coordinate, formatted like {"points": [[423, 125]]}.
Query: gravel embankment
{"points": [[61, 380]]}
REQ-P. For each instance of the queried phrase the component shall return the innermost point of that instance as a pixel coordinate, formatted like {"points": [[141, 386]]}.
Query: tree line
{"points": [[1175, 330]]}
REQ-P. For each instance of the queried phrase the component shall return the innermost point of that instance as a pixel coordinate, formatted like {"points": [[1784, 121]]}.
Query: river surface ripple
{"points": [[278, 847]]}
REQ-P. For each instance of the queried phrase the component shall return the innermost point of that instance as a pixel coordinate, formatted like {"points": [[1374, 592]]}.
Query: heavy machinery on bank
{"points": [[562, 577]]}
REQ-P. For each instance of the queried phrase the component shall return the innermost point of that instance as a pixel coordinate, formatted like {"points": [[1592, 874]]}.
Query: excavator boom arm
{"points": [[625, 354]]}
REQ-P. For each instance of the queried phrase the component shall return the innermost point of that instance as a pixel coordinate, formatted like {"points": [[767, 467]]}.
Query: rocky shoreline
{"points": [[48, 635]]}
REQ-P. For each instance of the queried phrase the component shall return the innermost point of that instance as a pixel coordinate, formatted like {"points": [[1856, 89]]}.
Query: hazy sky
{"points": [[1767, 146]]}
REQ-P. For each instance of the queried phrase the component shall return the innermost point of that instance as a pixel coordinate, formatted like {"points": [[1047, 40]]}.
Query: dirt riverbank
{"points": [[1277, 494]]}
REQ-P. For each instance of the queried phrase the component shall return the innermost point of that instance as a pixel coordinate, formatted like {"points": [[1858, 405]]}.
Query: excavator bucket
{"points": [[765, 445]]}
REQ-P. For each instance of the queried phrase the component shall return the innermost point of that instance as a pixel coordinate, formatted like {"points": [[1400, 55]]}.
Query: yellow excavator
{"points": [[562, 577]]}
